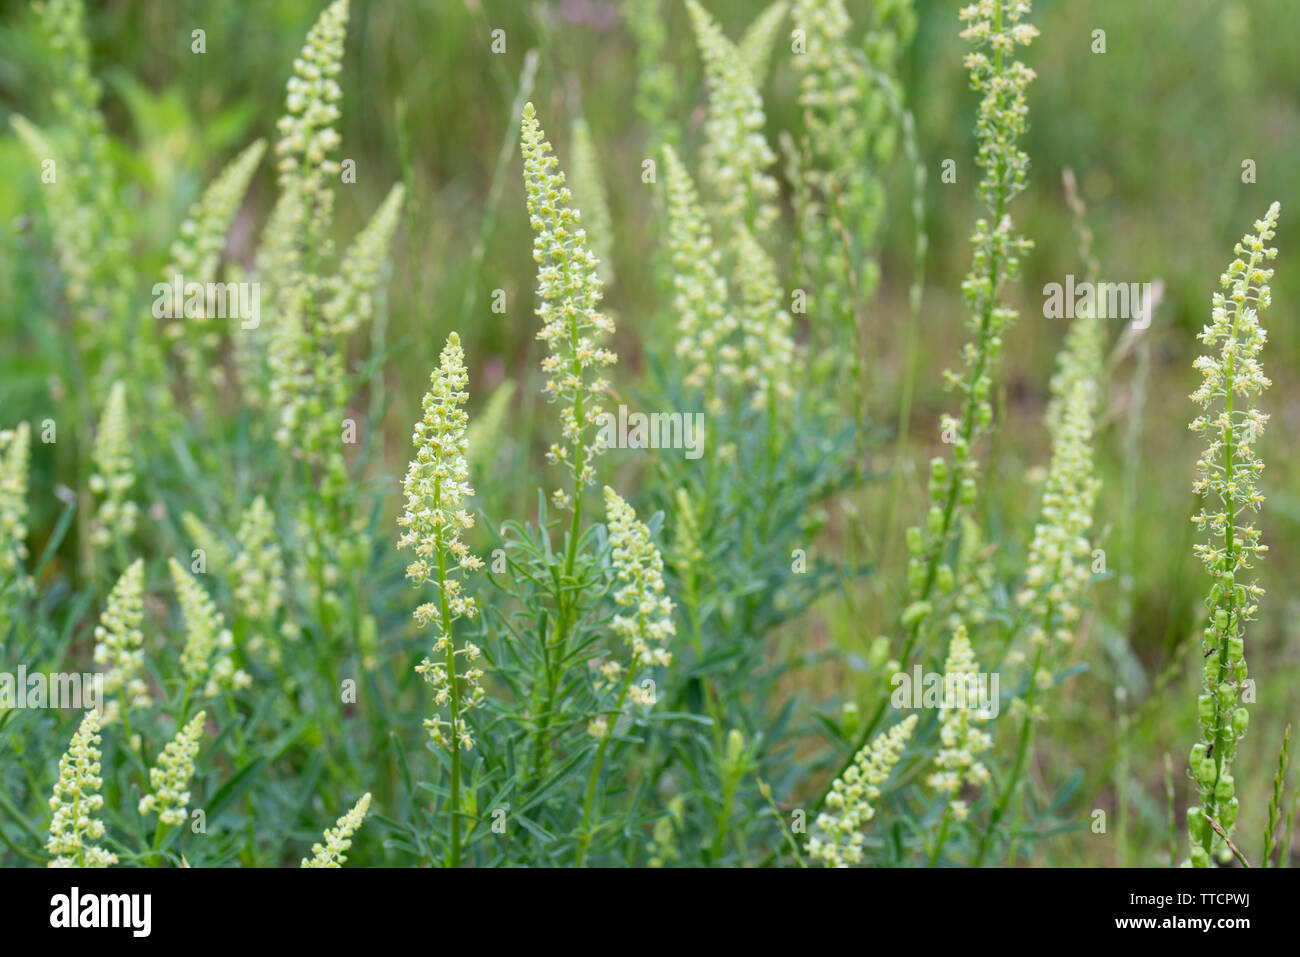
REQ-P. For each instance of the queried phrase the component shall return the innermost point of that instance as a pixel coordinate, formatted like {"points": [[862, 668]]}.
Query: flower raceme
{"points": [[170, 777], [205, 658], [963, 742], [1228, 474], [706, 329], [15, 451], [736, 156], [119, 644], [114, 474], [1001, 122], [638, 569], [339, 837], [848, 804], [75, 800], [436, 487], [568, 285]]}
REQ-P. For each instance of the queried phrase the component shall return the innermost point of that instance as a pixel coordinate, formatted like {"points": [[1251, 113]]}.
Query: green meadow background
{"points": [[1156, 129]]}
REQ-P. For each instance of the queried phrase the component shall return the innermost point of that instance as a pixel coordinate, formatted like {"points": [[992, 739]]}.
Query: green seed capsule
{"points": [[1199, 857], [915, 543], [1236, 649], [915, 613], [879, 652], [850, 718], [735, 747], [1240, 721], [1225, 789], [1198, 754], [915, 575], [1227, 695], [1205, 774], [1205, 707], [934, 520], [944, 579], [968, 491], [1228, 814]]}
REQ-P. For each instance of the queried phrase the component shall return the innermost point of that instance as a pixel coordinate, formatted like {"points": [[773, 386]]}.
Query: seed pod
{"points": [[934, 520], [1207, 771], [1225, 788], [944, 579], [1205, 707], [1227, 695], [1228, 814], [915, 575], [968, 491], [879, 652], [1236, 649], [1240, 721], [915, 613], [938, 472]]}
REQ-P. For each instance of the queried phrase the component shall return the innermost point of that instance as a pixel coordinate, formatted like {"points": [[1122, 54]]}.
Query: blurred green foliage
{"points": [[1156, 128]]}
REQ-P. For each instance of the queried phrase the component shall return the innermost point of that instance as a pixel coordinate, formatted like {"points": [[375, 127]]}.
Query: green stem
{"points": [[1017, 769], [951, 493], [585, 833], [943, 834], [453, 743], [1210, 809]]}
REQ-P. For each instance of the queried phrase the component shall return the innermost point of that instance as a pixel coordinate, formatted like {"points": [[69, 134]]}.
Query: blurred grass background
{"points": [[1156, 129]]}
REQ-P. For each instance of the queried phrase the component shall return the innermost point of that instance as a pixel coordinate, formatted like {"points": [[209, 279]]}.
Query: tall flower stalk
{"points": [[849, 801], [995, 26], [568, 287], [15, 456], [1227, 474], [75, 800], [639, 568], [338, 839], [436, 488]]}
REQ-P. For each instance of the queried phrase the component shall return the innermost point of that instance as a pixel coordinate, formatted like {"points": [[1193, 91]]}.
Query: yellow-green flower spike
{"points": [[962, 741], [736, 157], [1228, 476], [568, 287], [114, 472], [638, 569], [169, 779], [756, 45], [339, 838], [707, 331], [768, 330], [436, 487], [75, 800], [119, 644], [205, 658], [589, 192], [257, 572], [15, 454], [362, 266], [839, 838]]}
